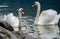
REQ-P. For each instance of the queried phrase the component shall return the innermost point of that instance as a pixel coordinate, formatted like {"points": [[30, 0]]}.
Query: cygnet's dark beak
{"points": [[22, 11]]}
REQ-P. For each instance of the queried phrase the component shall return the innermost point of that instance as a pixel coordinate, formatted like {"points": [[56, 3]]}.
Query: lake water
{"points": [[29, 16]]}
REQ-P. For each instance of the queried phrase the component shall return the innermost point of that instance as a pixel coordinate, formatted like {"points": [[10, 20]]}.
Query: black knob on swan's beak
{"points": [[33, 4]]}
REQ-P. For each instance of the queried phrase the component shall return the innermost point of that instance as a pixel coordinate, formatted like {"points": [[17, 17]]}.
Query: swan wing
{"points": [[12, 20], [47, 16], [56, 19]]}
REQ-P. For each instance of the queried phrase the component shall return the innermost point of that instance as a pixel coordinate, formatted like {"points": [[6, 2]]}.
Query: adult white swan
{"points": [[14, 21], [47, 17]]}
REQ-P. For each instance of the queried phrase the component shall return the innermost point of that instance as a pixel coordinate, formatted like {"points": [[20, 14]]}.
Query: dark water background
{"points": [[14, 5], [27, 5]]}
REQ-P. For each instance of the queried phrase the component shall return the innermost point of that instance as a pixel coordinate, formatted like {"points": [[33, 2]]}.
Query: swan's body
{"points": [[47, 17]]}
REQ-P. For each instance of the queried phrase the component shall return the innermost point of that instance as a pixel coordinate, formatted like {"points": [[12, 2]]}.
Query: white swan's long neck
{"points": [[20, 20], [38, 13]]}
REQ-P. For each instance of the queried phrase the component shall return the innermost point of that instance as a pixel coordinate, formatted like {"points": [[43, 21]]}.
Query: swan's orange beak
{"points": [[33, 5], [23, 13]]}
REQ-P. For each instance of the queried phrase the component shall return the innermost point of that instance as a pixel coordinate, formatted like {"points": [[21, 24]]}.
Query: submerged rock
{"points": [[6, 34], [22, 35], [5, 25]]}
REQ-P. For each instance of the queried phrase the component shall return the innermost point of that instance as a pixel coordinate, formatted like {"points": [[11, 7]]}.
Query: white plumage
{"points": [[48, 17], [12, 20]]}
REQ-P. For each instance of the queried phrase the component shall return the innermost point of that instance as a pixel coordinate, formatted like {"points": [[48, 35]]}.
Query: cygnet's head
{"points": [[35, 4], [21, 10]]}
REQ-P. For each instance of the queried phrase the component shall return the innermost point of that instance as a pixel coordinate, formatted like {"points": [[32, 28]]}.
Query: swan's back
{"points": [[55, 20], [50, 12]]}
